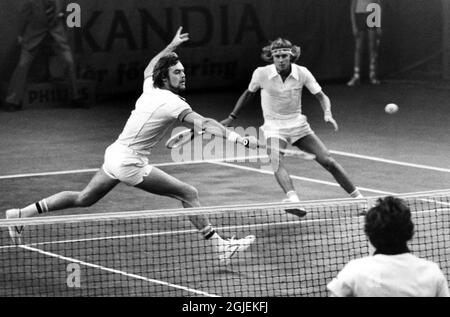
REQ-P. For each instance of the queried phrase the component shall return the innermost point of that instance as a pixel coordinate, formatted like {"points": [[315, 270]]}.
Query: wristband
{"points": [[232, 116], [233, 137]]}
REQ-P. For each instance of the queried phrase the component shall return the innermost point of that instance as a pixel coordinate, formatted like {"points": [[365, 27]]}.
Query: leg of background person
{"points": [[161, 183], [59, 35], [279, 170], [68, 58], [98, 187], [374, 43], [312, 144], [18, 79], [359, 40]]}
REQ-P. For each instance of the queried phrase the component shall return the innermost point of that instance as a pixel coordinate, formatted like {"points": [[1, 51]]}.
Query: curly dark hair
{"points": [[161, 69], [388, 224], [266, 54]]}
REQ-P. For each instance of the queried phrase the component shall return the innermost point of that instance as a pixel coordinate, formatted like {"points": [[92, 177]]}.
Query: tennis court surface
{"points": [[135, 244], [158, 253]]}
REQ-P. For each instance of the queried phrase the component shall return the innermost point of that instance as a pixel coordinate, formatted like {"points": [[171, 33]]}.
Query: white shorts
{"points": [[289, 131], [125, 164]]}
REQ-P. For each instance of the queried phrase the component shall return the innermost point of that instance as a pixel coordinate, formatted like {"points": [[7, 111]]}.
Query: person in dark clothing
{"points": [[39, 20], [360, 11]]}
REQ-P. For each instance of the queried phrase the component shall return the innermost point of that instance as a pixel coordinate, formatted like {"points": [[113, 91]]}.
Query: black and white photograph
{"points": [[224, 156]]}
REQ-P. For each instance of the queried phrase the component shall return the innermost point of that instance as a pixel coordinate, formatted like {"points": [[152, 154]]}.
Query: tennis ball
{"points": [[391, 108]]}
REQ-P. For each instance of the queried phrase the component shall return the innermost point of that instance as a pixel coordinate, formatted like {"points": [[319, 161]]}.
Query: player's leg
{"points": [[359, 40], [279, 170], [16, 87], [97, 188], [374, 43], [312, 144], [160, 183]]}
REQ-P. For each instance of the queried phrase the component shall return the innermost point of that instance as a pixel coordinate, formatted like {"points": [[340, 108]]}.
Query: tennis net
{"points": [[160, 253]]}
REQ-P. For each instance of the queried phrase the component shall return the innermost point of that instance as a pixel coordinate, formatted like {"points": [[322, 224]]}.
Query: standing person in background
{"points": [[359, 13], [280, 85], [392, 271], [38, 20]]}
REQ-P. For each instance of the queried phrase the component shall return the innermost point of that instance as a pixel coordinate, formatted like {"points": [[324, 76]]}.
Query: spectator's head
{"points": [[388, 225], [281, 52], [169, 73]]}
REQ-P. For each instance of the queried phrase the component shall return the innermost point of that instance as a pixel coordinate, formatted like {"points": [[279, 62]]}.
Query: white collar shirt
{"points": [[155, 113], [282, 100], [381, 275]]}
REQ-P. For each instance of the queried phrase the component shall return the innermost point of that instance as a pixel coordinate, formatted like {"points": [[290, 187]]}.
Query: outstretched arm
{"points": [[326, 107], [197, 122], [243, 100], [178, 39]]}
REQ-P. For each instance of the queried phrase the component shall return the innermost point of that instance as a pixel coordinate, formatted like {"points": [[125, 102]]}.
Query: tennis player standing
{"points": [[126, 160], [281, 85]]}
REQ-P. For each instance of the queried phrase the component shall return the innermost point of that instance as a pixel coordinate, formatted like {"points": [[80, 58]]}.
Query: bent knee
{"points": [[275, 161], [24, 63], [326, 161], [68, 57], [189, 193], [84, 200]]}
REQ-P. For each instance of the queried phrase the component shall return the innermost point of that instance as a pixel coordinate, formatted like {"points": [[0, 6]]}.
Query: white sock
{"points": [[356, 194], [292, 195], [35, 208]]}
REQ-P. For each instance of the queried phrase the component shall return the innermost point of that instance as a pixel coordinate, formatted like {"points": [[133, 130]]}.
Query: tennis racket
{"points": [[182, 137], [188, 135], [185, 136]]}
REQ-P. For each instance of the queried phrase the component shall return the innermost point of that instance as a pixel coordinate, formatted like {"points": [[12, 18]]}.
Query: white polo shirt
{"points": [[155, 112], [400, 275], [282, 100]]}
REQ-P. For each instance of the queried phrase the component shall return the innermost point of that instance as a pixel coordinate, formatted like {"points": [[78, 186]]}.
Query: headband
{"points": [[283, 50]]}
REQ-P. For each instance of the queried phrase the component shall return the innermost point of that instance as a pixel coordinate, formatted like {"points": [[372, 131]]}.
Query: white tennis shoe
{"points": [[229, 247], [15, 232]]}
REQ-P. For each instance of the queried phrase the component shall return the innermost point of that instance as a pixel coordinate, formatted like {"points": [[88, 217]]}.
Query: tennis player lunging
{"points": [[281, 85], [157, 109]]}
